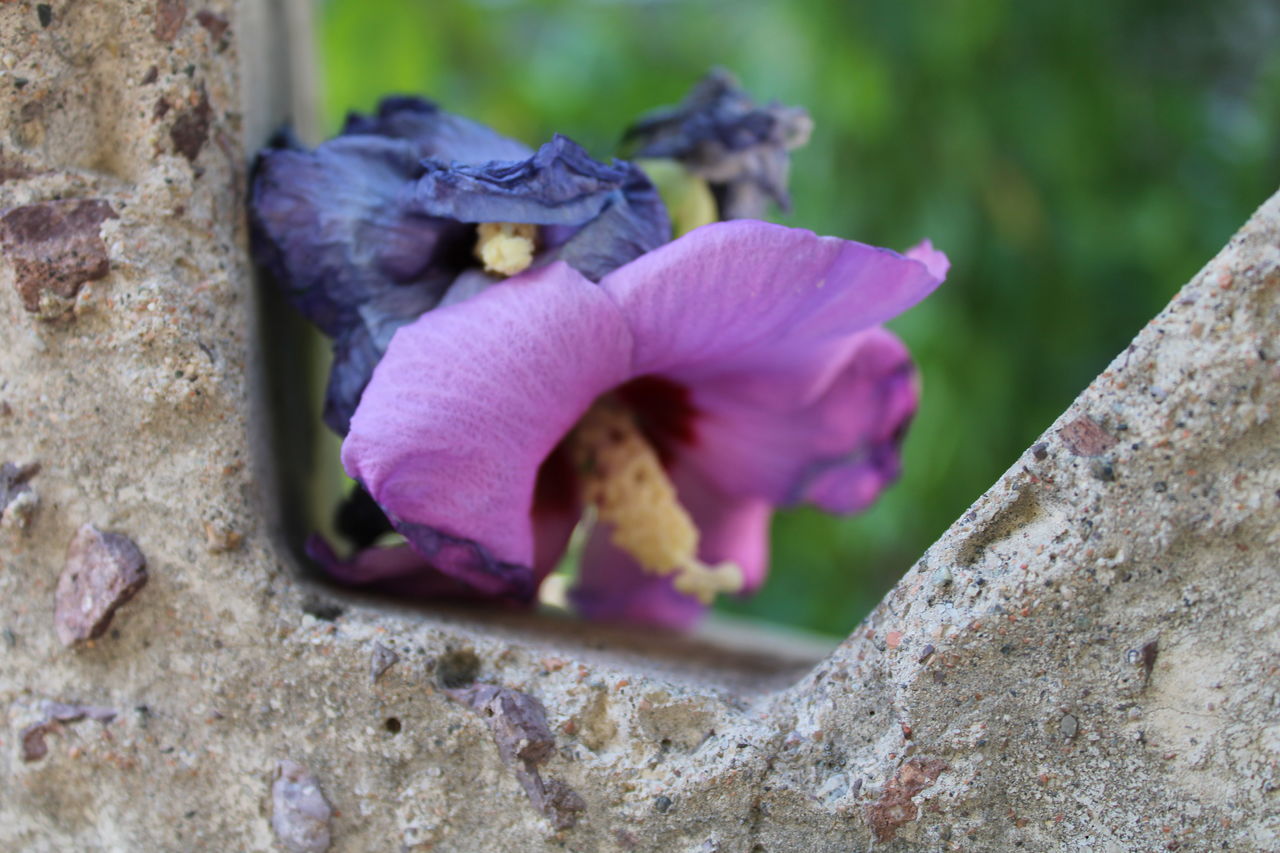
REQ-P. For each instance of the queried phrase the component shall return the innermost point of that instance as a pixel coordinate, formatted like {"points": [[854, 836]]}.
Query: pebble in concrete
{"points": [[300, 814], [102, 572]]}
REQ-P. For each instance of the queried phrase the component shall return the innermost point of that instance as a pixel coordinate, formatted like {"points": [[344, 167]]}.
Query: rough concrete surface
{"points": [[1087, 660]]}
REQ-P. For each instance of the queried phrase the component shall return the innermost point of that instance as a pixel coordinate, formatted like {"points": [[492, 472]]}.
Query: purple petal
{"points": [[437, 135], [395, 570], [358, 349], [634, 222], [720, 134], [750, 299], [618, 212], [402, 570], [936, 262], [468, 403], [327, 226], [798, 395], [559, 185], [332, 223], [612, 587], [837, 449]]}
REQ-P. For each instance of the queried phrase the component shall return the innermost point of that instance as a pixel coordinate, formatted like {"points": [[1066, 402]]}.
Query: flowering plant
{"points": [[518, 343]]}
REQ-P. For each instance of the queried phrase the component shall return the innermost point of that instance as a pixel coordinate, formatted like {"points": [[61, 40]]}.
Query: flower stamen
{"points": [[623, 477], [505, 248]]}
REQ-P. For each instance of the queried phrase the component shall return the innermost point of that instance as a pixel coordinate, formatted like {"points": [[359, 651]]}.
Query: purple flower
{"points": [[737, 369], [719, 134], [381, 224]]}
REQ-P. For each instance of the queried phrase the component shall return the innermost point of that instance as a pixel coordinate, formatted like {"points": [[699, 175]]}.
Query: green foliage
{"points": [[1077, 161]]}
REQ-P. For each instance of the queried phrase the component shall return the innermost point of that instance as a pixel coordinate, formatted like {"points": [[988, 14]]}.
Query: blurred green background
{"points": [[1077, 161]]}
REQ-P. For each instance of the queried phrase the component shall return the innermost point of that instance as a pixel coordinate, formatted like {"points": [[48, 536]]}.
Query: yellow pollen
{"points": [[505, 248], [623, 477]]}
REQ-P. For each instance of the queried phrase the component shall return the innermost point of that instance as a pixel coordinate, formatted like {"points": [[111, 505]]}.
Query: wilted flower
{"points": [[673, 395], [683, 397], [414, 208], [722, 136]]}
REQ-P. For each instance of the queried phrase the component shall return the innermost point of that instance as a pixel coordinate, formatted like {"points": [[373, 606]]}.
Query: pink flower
{"points": [[749, 356]]}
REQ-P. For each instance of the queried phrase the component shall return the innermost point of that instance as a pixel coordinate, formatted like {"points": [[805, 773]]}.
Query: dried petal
{"points": [[374, 228], [720, 134], [613, 211]]}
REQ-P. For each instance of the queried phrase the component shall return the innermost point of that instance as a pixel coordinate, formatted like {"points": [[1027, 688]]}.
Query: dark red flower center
{"points": [[666, 417]]}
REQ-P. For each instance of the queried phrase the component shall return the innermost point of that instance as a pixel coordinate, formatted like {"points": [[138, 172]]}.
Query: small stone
{"points": [[662, 805], [1149, 652], [300, 814], [169, 17], [896, 807], [518, 723], [219, 538], [380, 661], [55, 248], [190, 129], [70, 713], [1068, 726], [942, 577], [102, 572], [215, 24], [1103, 471], [1085, 437], [926, 653], [561, 804], [1040, 451], [34, 746], [45, 13], [517, 720], [18, 501]]}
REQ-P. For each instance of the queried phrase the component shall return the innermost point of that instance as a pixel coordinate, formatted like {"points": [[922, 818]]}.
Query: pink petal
{"points": [[743, 296], [936, 262], [467, 404], [799, 395], [837, 447], [611, 586]]}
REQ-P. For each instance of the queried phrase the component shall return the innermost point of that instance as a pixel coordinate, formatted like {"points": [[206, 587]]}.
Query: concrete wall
{"points": [[1086, 660]]}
